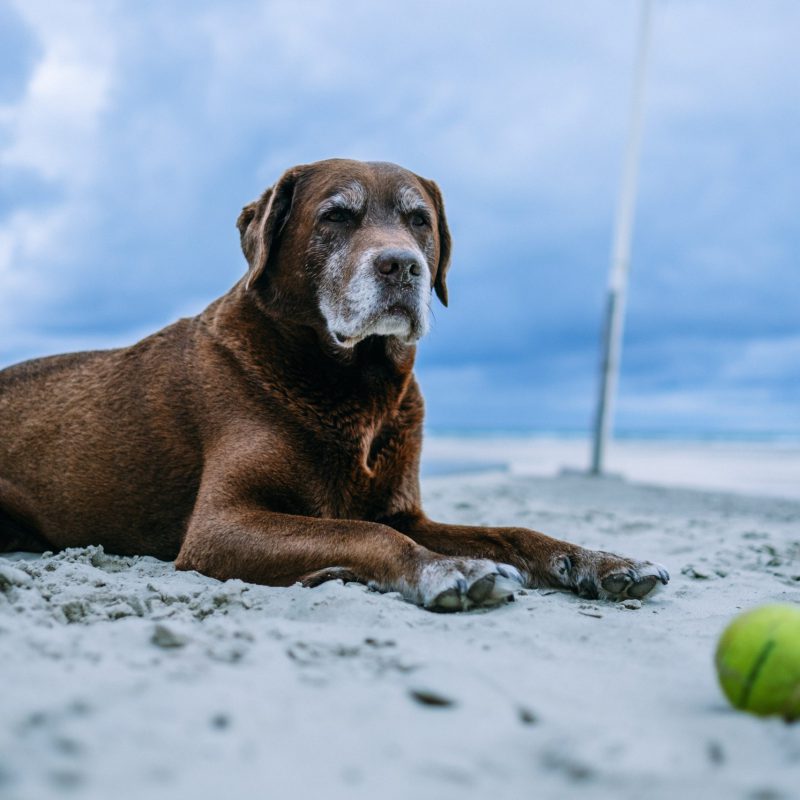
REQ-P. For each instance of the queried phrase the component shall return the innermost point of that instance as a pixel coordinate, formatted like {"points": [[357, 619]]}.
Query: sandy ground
{"points": [[125, 679]]}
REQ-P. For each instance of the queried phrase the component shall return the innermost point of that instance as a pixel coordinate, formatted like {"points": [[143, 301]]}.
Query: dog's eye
{"points": [[419, 220], [337, 215]]}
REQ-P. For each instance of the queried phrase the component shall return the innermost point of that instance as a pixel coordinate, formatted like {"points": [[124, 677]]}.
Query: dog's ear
{"points": [[445, 242], [261, 223]]}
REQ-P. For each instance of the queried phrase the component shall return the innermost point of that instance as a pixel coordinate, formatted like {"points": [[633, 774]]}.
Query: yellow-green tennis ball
{"points": [[758, 661]]}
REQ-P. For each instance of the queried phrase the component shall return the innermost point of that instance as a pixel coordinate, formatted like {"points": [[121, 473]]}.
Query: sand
{"points": [[124, 679]]}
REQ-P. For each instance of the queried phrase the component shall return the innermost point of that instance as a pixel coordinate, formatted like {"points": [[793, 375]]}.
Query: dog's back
{"points": [[116, 424]]}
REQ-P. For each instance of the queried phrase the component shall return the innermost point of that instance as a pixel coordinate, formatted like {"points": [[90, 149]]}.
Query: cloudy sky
{"points": [[132, 133]]}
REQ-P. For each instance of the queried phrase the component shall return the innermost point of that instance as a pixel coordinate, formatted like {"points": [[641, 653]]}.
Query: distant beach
{"points": [[749, 464]]}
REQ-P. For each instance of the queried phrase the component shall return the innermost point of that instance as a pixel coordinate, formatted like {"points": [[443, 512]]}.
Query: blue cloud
{"points": [[18, 53]]}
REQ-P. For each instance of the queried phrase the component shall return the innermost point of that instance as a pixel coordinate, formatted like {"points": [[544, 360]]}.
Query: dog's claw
{"points": [[511, 572], [507, 580], [481, 589], [448, 600], [617, 584], [642, 587]]}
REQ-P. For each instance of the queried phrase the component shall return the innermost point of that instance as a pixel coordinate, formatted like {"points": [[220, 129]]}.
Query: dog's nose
{"points": [[397, 264]]}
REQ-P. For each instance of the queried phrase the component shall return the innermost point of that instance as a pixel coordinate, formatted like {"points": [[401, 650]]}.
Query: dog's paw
{"points": [[458, 584], [599, 575]]}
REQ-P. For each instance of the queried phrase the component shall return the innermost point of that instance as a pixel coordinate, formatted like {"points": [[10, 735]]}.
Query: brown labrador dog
{"points": [[276, 436]]}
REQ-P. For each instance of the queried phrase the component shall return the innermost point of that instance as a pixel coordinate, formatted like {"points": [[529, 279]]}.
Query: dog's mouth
{"points": [[397, 319], [400, 310]]}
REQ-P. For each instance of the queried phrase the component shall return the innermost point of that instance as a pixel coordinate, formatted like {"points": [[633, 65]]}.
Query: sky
{"points": [[131, 134]]}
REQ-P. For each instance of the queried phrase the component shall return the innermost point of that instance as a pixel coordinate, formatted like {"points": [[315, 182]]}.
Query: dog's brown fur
{"points": [[246, 443]]}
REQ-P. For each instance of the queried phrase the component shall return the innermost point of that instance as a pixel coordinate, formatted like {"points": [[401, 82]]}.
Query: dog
{"points": [[276, 436]]}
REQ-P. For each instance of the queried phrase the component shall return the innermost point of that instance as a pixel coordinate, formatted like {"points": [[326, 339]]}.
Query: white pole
{"points": [[620, 254]]}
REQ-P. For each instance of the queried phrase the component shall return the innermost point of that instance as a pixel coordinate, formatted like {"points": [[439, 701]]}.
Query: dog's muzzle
{"points": [[388, 295]]}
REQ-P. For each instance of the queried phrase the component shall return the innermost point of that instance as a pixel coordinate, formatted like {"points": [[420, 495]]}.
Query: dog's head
{"points": [[356, 246]]}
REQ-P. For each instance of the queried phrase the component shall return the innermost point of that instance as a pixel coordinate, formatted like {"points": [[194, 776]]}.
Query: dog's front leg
{"points": [[257, 545], [541, 560]]}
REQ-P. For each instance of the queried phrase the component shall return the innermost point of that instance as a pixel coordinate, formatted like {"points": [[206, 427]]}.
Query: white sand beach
{"points": [[124, 679]]}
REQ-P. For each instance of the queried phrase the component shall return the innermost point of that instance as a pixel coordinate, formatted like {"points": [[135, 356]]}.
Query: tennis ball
{"points": [[758, 661]]}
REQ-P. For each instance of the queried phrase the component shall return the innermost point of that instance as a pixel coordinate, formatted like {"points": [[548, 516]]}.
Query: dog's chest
{"points": [[363, 442], [363, 468]]}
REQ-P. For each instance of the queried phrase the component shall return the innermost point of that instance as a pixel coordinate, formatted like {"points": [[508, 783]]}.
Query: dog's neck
{"points": [[272, 344]]}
